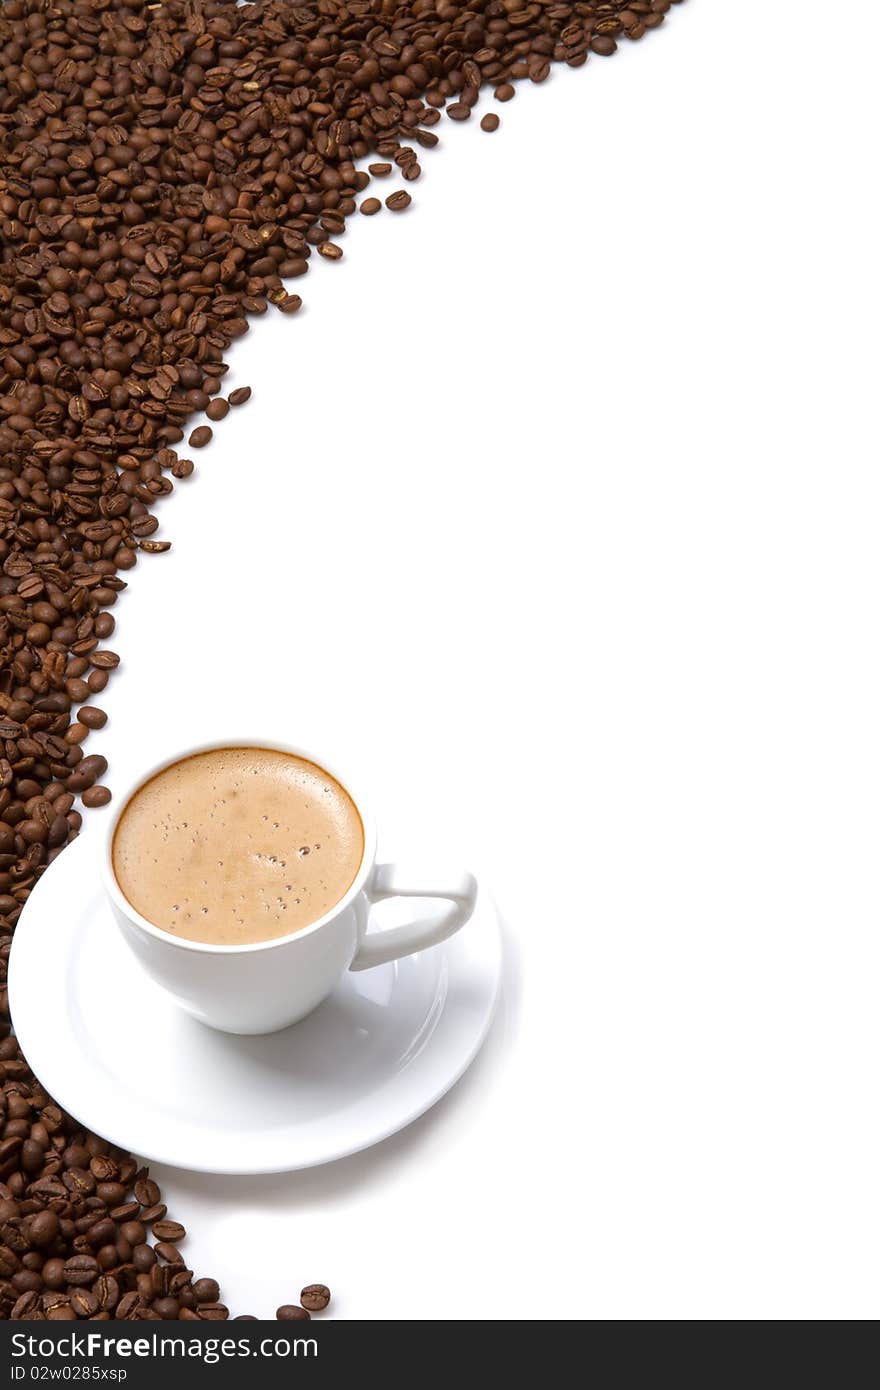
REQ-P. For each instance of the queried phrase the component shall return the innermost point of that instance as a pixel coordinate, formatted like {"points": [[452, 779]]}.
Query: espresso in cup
{"points": [[234, 846]]}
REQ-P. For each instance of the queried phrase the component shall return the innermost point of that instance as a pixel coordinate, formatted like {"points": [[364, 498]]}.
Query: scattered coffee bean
{"points": [[92, 717], [201, 435], [506, 92], [491, 121], [330, 251], [96, 796], [399, 201], [169, 1230], [370, 206], [240, 395], [315, 1297], [292, 1312], [381, 170], [217, 409]]}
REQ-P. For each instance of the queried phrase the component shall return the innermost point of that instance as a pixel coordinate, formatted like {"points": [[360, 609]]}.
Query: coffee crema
{"points": [[237, 845]]}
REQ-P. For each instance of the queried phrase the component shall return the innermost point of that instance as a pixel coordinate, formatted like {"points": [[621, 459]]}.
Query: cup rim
{"points": [[122, 904]]}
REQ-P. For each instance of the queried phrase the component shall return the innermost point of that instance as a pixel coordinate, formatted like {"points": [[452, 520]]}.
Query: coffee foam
{"points": [[238, 845]]}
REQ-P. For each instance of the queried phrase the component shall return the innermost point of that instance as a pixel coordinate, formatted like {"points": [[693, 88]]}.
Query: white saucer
{"points": [[117, 1054]]}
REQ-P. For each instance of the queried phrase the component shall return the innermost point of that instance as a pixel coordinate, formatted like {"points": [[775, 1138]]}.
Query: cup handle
{"points": [[390, 881]]}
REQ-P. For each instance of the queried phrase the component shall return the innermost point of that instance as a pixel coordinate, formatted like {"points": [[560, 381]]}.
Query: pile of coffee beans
{"points": [[167, 167], [84, 1232]]}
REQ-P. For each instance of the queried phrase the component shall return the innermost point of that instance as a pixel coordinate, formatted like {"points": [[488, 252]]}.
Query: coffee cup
{"points": [[265, 982]]}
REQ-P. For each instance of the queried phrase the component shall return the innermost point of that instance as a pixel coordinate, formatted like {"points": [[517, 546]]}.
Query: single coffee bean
{"points": [[292, 1312], [169, 1230], [28, 1306], [169, 1253], [143, 1257], [96, 796], [458, 111], [92, 717], [80, 1269], [167, 1308], [315, 1297], [380, 170], [213, 1312], [84, 1303], [398, 202], [491, 121], [505, 92], [370, 206], [202, 435], [217, 409], [147, 1192], [43, 1229], [330, 251], [206, 1290], [240, 395]]}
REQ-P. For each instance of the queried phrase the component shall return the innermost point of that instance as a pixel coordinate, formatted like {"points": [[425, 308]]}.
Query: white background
{"points": [[556, 514]]}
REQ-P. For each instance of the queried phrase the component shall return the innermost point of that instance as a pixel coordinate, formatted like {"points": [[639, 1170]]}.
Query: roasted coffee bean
{"points": [[169, 1253], [81, 1269], [92, 717], [505, 92], [315, 1297], [88, 770], [53, 1274], [147, 1192], [292, 1312], [28, 1306], [202, 435], [169, 1230], [381, 169], [43, 1229], [398, 202], [96, 796], [84, 1303], [240, 395], [143, 1257], [370, 206], [213, 1312], [206, 1290], [62, 1312], [330, 251], [217, 409], [491, 121]]}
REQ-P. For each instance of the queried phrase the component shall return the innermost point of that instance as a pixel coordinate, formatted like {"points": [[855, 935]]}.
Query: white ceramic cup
{"points": [[267, 985]]}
